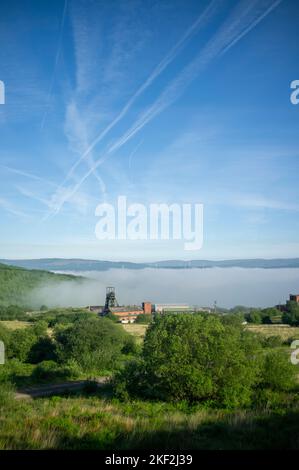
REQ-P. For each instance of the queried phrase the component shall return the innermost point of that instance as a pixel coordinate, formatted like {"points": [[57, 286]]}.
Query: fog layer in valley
{"points": [[229, 287]]}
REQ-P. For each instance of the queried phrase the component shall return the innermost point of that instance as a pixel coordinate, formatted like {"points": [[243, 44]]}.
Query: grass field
{"points": [[99, 422], [15, 324], [136, 330], [284, 331]]}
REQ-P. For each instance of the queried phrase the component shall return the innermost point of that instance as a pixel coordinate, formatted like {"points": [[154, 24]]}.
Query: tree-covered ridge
{"points": [[16, 283]]}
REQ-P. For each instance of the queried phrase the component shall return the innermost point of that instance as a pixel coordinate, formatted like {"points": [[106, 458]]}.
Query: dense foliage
{"points": [[16, 283], [144, 318], [196, 358], [291, 315], [95, 344]]}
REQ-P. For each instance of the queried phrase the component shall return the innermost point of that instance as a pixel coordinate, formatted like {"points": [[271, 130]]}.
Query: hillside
{"points": [[61, 264], [16, 283]]}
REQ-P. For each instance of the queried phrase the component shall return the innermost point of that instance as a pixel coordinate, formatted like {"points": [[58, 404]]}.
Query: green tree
{"points": [[194, 357], [40, 328], [278, 372], [291, 315], [44, 349], [20, 344], [269, 315], [95, 344], [254, 317], [144, 318]]}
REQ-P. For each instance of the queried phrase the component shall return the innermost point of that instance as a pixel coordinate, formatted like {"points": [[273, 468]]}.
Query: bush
{"points": [[130, 346], [6, 394], [270, 315], [43, 350], [278, 373], [51, 371], [15, 372], [39, 328], [235, 319], [5, 336], [112, 317], [267, 398], [95, 344], [290, 339], [67, 317], [272, 341], [255, 317], [21, 342], [291, 315], [12, 312], [194, 358], [144, 318]]}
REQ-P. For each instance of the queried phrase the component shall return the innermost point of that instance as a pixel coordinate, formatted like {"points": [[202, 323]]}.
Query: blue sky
{"points": [[174, 101]]}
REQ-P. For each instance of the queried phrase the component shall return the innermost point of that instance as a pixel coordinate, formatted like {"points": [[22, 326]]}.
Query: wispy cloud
{"points": [[241, 21], [9, 207], [244, 18], [202, 20], [26, 174], [80, 201]]}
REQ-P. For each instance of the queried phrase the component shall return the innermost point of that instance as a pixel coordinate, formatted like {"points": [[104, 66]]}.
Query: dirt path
{"points": [[58, 388]]}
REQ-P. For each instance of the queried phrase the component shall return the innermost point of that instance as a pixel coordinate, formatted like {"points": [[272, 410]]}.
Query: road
{"points": [[39, 391]]}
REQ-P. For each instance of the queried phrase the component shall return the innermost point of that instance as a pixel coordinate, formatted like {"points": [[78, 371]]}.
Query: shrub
{"points": [[267, 398], [269, 315], [254, 317], [21, 342], [290, 340], [39, 328], [95, 344], [144, 318], [112, 317], [291, 315], [15, 371], [278, 373], [130, 346], [5, 335], [272, 341], [51, 371], [6, 394], [43, 350], [194, 357], [12, 312]]}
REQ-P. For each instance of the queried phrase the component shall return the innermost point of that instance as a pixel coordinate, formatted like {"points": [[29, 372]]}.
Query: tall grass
{"points": [[96, 422]]}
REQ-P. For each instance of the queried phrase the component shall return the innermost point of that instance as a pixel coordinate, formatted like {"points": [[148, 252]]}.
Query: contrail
{"points": [[6, 205], [133, 153], [55, 64], [229, 34], [28, 175], [250, 27], [200, 21], [224, 40]]}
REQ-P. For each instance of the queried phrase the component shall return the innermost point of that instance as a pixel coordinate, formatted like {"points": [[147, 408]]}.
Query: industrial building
{"points": [[129, 313], [172, 308], [293, 298], [125, 314]]}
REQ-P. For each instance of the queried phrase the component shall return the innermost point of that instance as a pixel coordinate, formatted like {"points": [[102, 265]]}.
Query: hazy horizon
{"points": [[252, 287]]}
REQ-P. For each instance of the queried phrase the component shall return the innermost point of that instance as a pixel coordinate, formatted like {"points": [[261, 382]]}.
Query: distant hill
{"points": [[16, 283], [60, 264]]}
